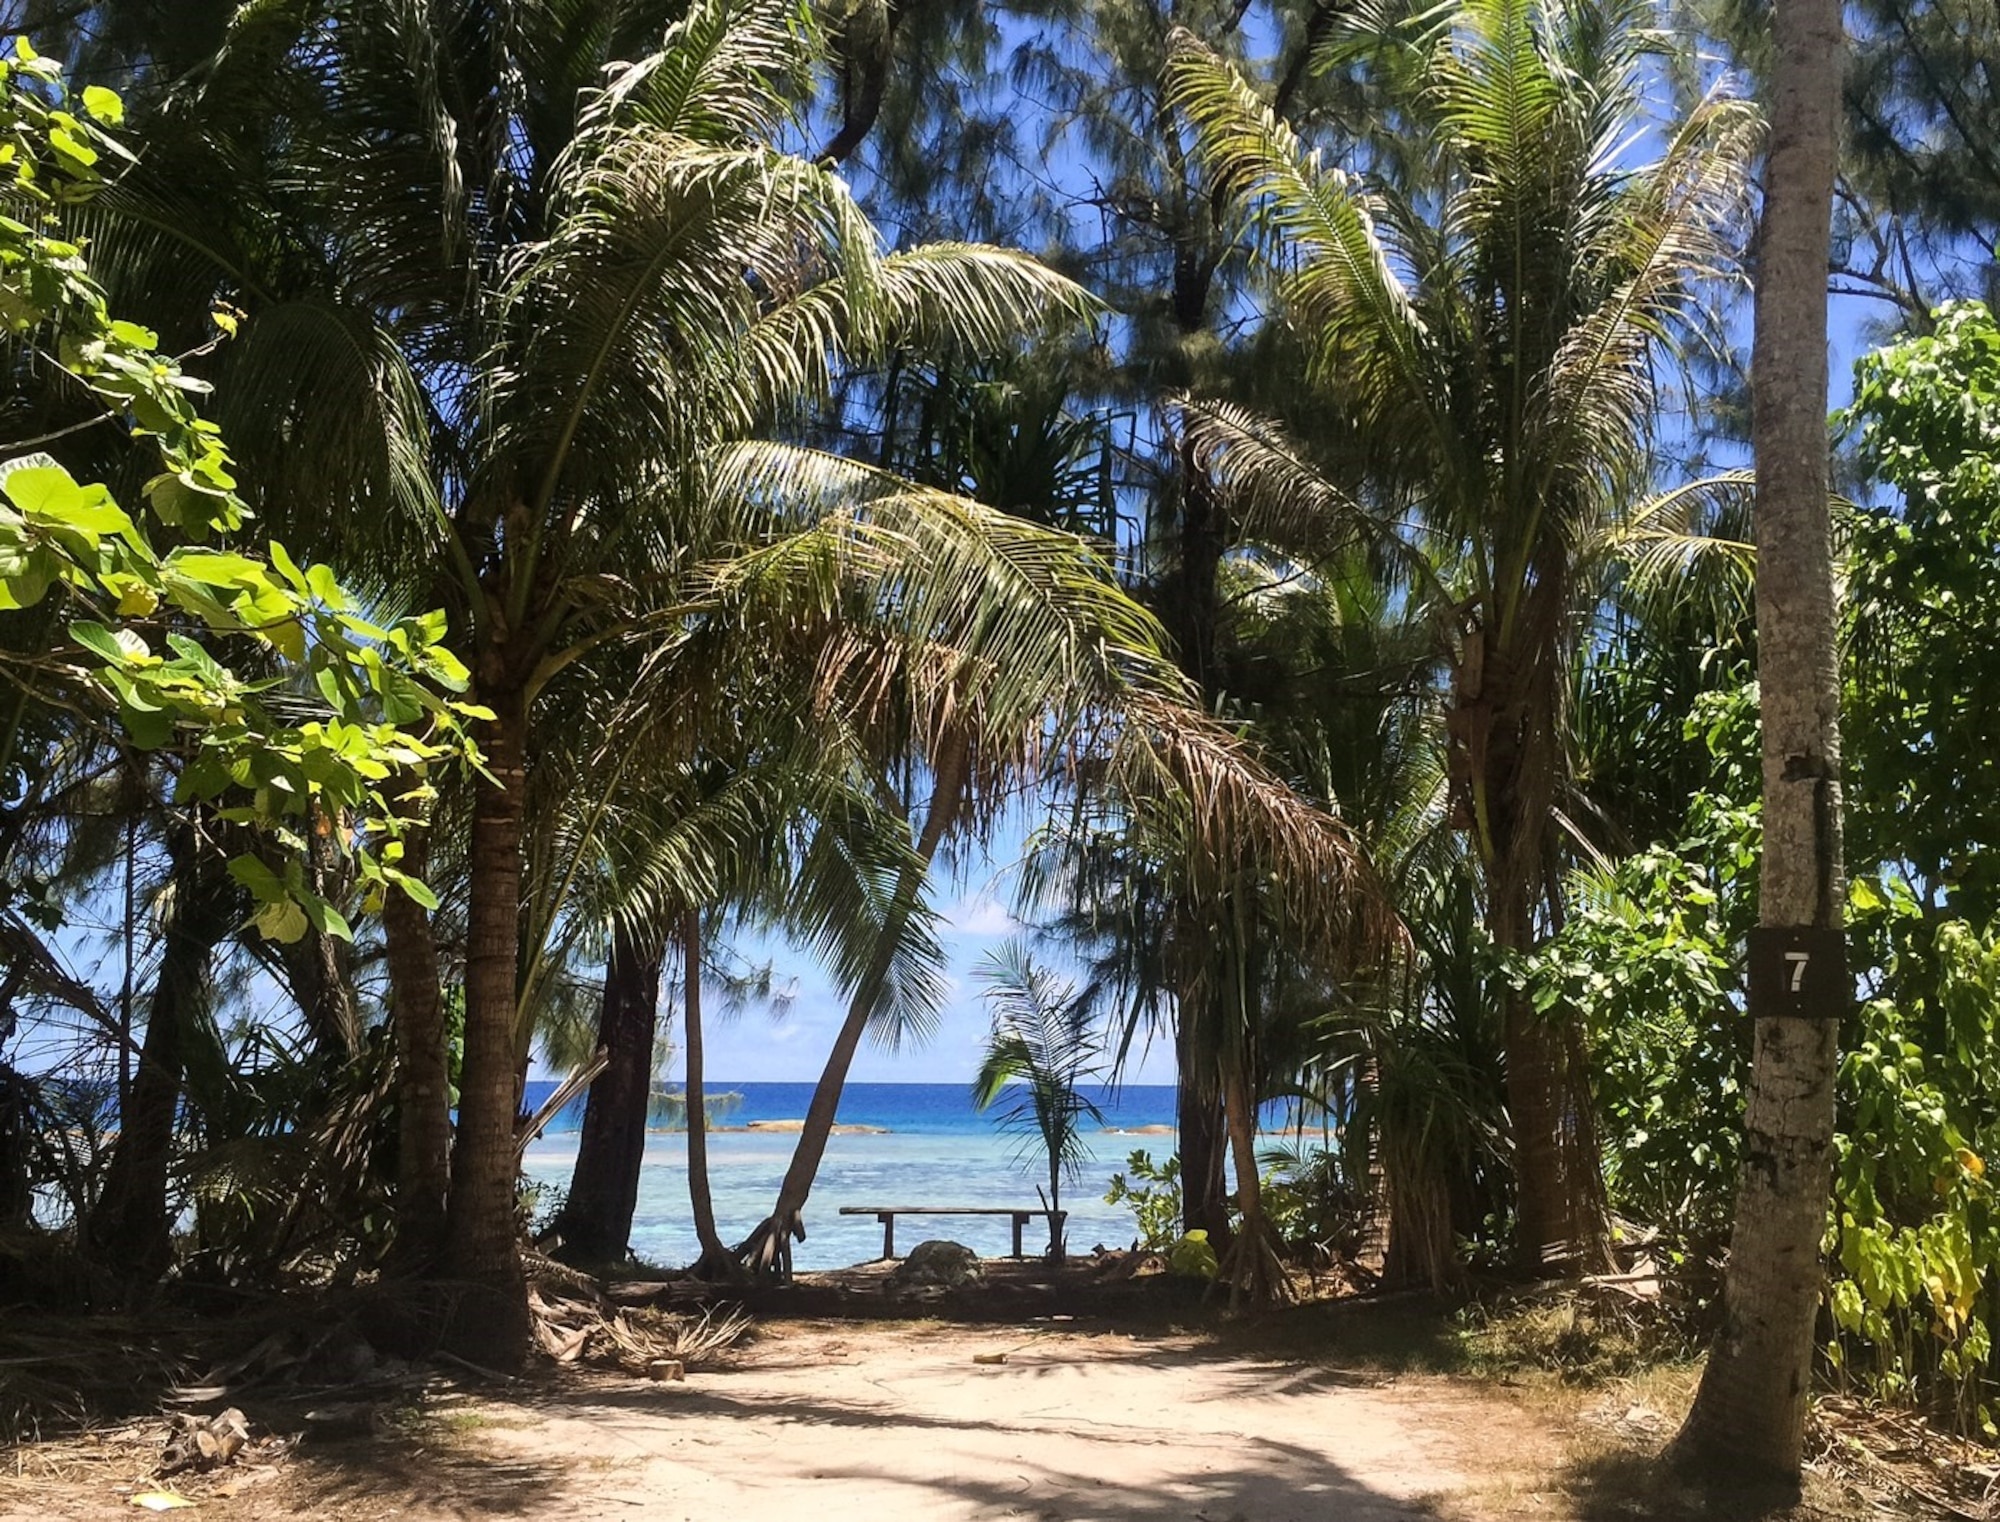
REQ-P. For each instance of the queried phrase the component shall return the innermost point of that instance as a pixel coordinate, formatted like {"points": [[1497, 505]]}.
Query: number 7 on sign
{"points": [[1798, 959]]}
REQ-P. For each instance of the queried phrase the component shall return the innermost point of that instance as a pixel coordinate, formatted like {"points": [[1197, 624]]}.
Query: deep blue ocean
{"points": [[934, 1149]]}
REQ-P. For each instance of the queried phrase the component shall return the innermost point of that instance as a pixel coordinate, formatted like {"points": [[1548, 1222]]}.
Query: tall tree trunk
{"points": [[130, 1230], [716, 1259], [595, 1223], [1253, 1267], [1749, 1413], [1202, 1142], [1559, 1217], [423, 1068], [490, 1324], [318, 965], [767, 1251]]}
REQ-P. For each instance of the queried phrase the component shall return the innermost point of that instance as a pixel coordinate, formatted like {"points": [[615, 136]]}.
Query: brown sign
{"points": [[1800, 972]]}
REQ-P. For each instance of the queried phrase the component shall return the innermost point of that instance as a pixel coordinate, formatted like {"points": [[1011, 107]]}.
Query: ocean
{"points": [[933, 1149]]}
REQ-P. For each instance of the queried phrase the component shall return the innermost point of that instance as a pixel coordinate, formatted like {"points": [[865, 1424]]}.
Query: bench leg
{"points": [[888, 1236], [1019, 1221]]}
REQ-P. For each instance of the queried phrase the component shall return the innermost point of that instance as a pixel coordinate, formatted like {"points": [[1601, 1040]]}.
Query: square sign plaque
{"points": [[1799, 971]]}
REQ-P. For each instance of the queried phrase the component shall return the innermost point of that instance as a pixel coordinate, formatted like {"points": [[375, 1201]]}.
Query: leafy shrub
{"points": [[1153, 1194]]}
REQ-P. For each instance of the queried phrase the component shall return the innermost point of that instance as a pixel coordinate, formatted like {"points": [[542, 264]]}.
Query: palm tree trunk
{"points": [[595, 1223], [1202, 1141], [130, 1229], [1559, 1220], [320, 963], [1253, 1267], [482, 1238], [767, 1251], [1749, 1413], [423, 1068], [715, 1259]]}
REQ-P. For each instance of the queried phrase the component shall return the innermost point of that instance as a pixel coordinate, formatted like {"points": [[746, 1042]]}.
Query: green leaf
{"points": [[217, 568], [419, 891], [42, 490], [264, 884], [104, 105], [283, 921], [101, 642], [326, 919]]}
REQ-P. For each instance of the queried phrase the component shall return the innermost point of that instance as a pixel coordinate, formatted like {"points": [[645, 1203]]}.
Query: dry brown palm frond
{"points": [[576, 1323]]}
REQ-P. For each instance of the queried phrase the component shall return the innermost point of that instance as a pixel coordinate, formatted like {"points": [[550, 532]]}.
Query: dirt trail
{"points": [[870, 1424], [879, 1422]]}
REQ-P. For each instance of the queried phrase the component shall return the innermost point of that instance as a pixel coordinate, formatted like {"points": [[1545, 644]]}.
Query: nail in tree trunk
{"points": [[490, 1324], [595, 1223], [423, 1068], [716, 1259], [1749, 1413], [767, 1251], [130, 1230]]}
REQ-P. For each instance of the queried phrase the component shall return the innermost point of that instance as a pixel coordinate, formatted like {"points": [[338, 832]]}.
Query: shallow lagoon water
{"points": [[745, 1169], [936, 1151]]}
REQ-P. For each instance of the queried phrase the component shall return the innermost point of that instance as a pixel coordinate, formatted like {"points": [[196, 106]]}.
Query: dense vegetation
{"points": [[693, 519]]}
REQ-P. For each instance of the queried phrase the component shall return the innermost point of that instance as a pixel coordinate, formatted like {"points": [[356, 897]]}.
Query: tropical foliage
{"points": [[1326, 567]]}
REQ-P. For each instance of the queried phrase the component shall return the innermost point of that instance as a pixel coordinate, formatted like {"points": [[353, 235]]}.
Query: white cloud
{"points": [[981, 917]]}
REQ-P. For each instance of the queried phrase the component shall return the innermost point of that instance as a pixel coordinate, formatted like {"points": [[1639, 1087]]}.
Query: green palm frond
{"points": [[1042, 1048], [1318, 224]]}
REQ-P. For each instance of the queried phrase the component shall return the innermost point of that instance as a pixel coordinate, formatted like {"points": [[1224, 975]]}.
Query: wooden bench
{"points": [[887, 1214]]}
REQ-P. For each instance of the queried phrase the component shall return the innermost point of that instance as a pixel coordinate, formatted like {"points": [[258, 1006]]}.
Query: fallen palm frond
{"points": [[57, 1376], [1877, 1449], [576, 1324]]}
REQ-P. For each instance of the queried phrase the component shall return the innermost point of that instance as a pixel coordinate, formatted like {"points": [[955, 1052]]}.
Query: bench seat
{"points": [[887, 1214]]}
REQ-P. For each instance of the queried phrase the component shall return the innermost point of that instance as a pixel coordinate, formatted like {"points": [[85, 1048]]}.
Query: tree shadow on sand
{"points": [[382, 1477], [1630, 1485], [1263, 1480]]}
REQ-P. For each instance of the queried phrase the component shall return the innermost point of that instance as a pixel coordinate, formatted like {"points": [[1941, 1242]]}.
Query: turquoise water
{"points": [[937, 1151]]}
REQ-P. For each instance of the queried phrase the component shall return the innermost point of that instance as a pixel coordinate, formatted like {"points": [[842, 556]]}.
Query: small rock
{"points": [[937, 1265]]}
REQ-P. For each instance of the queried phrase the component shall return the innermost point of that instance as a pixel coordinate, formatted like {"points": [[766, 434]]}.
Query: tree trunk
{"points": [[423, 1068], [767, 1251], [595, 1223], [1559, 1217], [716, 1259], [490, 1324], [1253, 1267], [130, 1229], [318, 965], [1749, 1413], [1198, 1110]]}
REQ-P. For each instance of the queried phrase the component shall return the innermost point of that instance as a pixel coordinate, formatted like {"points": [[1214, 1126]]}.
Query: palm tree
{"points": [[1749, 1413], [542, 295], [1485, 323], [1042, 1048]]}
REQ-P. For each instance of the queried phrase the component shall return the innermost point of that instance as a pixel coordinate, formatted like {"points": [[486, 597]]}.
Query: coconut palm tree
{"points": [[538, 295], [1483, 300]]}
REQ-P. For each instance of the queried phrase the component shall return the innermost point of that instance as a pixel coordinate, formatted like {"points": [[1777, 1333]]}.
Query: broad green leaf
{"points": [[42, 490], [264, 884], [326, 919], [283, 921], [217, 568], [104, 105]]}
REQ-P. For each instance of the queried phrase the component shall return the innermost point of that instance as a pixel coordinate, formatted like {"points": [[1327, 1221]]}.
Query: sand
{"points": [[843, 1422], [882, 1422]]}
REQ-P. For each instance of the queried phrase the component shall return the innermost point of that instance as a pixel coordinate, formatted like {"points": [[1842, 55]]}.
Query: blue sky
{"points": [[753, 1047]]}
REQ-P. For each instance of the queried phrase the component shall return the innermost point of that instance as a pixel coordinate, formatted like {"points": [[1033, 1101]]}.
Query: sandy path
{"points": [[851, 1424]]}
